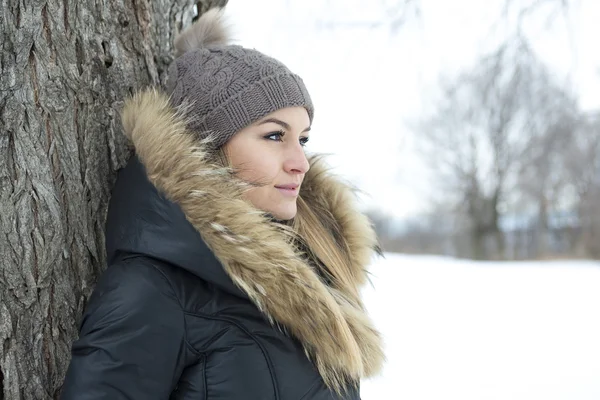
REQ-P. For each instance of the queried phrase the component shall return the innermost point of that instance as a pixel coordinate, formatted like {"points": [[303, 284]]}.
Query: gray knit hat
{"points": [[223, 88]]}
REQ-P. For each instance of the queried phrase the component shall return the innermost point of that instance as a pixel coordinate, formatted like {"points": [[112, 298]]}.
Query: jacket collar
{"points": [[256, 253]]}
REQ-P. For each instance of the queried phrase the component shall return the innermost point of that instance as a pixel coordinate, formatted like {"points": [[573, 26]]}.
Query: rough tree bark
{"points": [[65, 68]]}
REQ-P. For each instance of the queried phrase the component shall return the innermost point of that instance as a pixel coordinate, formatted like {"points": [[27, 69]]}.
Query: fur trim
{"points": [[208, 30], [331, 324]]}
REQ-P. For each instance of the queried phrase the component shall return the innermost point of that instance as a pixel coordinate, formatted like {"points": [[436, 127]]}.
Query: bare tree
{"points": [[478, 133], [581, 164], [391, 15], [65, 68], [553, 115], [524, 10]]}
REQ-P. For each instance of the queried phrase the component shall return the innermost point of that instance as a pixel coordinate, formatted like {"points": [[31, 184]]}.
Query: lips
{"points": [[290, 190], [288, 187]]}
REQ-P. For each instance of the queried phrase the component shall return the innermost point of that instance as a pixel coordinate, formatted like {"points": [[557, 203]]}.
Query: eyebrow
{"points": [[283, 124]]}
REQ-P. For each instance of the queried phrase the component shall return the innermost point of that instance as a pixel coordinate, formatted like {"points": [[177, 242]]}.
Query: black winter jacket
{"points": [[203, 297]]}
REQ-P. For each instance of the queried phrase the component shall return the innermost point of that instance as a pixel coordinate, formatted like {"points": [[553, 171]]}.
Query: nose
{"points": [[296, 161]]}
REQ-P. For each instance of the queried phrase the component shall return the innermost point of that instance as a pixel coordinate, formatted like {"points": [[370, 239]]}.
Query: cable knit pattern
{"points": [[221, 89]]}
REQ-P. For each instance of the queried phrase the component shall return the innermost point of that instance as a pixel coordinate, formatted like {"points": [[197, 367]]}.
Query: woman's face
{"points": [[270, 153]]}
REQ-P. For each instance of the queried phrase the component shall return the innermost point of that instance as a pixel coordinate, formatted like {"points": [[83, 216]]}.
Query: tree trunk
{"points": [[65, 68], [478, 249], [542, 248]]}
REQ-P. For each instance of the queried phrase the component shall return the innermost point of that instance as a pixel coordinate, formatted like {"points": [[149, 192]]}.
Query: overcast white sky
{"points": [[366, 83]]}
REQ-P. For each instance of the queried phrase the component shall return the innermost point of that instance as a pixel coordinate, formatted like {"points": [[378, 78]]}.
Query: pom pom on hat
{"points": [[208, 30]]}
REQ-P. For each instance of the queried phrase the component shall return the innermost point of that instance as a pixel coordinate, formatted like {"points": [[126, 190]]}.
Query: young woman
{"points": [[235, 261]]}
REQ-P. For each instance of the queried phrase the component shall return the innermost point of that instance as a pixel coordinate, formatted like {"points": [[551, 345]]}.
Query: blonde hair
{"points": [[317, 235], [320, 234]]}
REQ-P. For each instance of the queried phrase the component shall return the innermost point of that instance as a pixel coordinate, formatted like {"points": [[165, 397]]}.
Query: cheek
{"points": [[260, 170], [256, 161], [263, 174], [262, 197]]}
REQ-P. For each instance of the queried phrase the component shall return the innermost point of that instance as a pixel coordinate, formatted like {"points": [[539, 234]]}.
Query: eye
{"points": [[303, 141], [275, 136]]}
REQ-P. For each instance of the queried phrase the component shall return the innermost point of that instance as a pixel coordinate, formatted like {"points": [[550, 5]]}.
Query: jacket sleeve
{"points": [[131, 342]]}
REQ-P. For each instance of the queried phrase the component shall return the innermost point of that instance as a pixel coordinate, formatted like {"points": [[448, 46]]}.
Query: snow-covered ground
{"points": [[457, 329]]}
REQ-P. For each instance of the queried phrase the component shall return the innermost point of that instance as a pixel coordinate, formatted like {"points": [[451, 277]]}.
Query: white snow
{"points": [[456, 329]]}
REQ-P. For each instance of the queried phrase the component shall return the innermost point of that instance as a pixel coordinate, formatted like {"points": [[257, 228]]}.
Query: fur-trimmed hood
{"points": [[255, 253]]}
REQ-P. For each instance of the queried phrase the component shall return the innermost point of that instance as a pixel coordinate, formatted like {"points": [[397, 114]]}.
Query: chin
{"points": [[284, 213]]}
